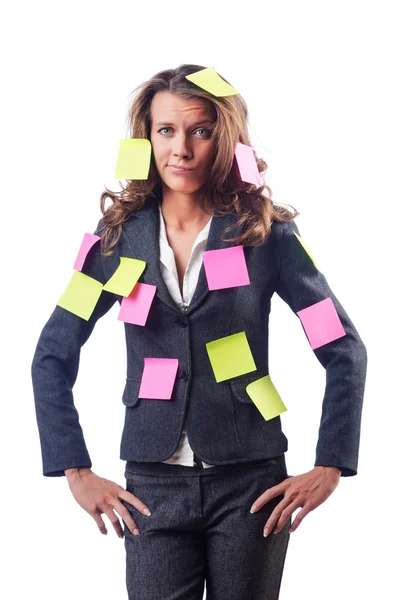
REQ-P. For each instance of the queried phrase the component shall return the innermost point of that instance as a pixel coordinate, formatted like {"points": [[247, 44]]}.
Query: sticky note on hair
{"points": [[321, 323], [158, 378], [126, 275], [135, 307], [225, 268], [133, 160], [210, 81], [81, 295], [230, 356], [89, 240], [306, 248], [247, 164], [266, 398]]}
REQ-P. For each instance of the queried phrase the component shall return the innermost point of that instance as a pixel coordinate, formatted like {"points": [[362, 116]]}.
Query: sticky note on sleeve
{"points": [[209, 80], [89, 240], [126, 275], [266, 398], [230, 356], [133, 160], [81, 295], [321, 323], [247, 164], [306, 248], [225, 268], [158, 378]]}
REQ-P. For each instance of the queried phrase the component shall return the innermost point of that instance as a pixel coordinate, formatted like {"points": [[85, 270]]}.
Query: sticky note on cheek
{"points": [[158, 378], [266, 398], [321, 323]]}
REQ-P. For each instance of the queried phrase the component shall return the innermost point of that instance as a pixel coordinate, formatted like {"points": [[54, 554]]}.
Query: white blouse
{"points": [[183, 454]]}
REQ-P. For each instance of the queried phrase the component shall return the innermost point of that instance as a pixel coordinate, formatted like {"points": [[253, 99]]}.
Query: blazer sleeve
{"points": [[54, 372], [300, 284]]}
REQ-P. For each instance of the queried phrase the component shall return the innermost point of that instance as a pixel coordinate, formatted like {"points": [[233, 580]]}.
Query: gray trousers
{"points": [[201, 531]]}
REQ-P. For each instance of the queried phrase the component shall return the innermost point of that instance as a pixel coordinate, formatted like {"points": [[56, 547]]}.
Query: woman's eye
{"points": [[206, 131]]}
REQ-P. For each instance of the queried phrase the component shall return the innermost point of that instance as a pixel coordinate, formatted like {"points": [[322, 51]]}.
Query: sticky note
{"points": [[305, 246], [230, 356], [247, 164], [158, 378], [225, 268], [321, 323], [125, 276], [135, 307], [266, 398], [209, 80], [81, 295], [133, 160], [89, 240]]}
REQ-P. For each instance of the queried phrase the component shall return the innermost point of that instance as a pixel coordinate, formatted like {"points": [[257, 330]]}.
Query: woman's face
{"points": [[181, 135]]}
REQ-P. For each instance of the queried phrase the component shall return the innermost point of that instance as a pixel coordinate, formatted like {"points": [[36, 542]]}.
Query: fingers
{"points": [[271, 493], [280, 516]]}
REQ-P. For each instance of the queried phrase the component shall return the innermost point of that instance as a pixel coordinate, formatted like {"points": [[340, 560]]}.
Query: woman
{"points": [[206, 480]]}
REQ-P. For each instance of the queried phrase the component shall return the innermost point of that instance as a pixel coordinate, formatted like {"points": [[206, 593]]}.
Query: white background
{"points": [[319, 81]]}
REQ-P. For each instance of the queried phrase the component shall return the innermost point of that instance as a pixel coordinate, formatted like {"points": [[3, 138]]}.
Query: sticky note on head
{"points": [[135, 307], [210, 81], [266, 398], [321, 323], [230, 356], [305, 246], [125, 277], [133, 160], [247, 164], [158, 378], [225, 268], [81, 295], [89, 240]]}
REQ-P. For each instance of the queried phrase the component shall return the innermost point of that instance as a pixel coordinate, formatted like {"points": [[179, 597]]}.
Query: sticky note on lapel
{"points": [[135, 308], [126, 275], [225, 268]]}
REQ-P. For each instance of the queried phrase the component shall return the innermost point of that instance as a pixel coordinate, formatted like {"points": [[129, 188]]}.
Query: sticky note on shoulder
{"points": [[81, 295], [225, 268], [230, 356], [266, 398], [133, 160], [88, 242], [321, 323], [125, 277], [209, 80], [306, 248]]}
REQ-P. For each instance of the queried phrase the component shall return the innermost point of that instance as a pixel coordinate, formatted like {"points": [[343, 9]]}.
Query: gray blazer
{"points": [[223, 424]]}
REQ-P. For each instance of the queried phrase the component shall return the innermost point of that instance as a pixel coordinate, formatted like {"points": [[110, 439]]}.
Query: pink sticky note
{"points": [[88, 241], [158, 378], [247, 164], [321, 323], [225, 268], [135, 307]]}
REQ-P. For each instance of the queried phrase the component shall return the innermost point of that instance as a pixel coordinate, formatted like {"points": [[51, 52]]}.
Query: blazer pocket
{"points": [[238, 386], [131, 391]]}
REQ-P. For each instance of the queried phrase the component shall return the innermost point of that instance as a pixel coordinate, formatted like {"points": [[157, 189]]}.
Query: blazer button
{"points": [[183, 375], [181, 321]]}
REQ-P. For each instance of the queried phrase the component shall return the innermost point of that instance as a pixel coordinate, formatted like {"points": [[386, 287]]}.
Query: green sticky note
{"points": [[133, 160], [209, 80], [81, 295], [266, 398], [230, 356], [305, 246], [123, 280]]}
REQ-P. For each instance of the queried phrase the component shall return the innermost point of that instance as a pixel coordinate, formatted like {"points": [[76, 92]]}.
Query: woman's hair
{"points": [[224, 190]]}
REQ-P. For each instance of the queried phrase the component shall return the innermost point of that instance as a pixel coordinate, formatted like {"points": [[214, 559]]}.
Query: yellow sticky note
{"points": [[209, 80], [305, 246], [81, 295], [266, 398], [133, 160], [230, 356], [126, 275]]}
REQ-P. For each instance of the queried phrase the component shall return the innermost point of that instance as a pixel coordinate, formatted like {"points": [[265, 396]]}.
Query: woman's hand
{"points": [[308, 490], [98, 495]]}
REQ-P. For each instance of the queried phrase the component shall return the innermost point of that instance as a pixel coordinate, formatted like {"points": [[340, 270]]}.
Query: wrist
{"points": [[74, 472]]}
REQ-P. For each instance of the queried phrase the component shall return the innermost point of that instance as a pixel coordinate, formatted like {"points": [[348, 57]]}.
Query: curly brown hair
{"points": [[224, 190]]}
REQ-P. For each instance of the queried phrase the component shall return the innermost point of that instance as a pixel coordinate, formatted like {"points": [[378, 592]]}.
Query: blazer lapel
{"points": [[141, 232]]}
